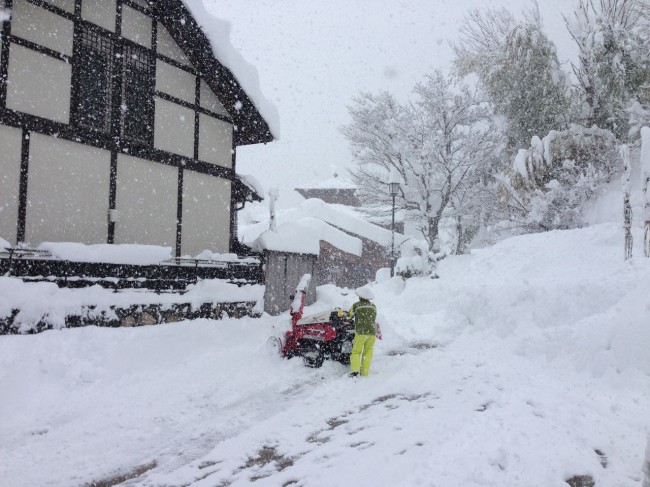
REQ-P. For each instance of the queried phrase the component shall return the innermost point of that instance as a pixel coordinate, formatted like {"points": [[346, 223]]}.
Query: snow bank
{"points": [[43, 301], [4, 244], [524, 364]]}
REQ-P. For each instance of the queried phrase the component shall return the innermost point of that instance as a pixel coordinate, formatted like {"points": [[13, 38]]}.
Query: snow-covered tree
{"points": [[437, 143], [645, 184], [552, 180], [518, 67], [612, 39], [627, 200]]}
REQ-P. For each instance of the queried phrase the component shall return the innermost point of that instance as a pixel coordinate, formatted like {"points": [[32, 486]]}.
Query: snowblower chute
{"points": [[326, 335]]}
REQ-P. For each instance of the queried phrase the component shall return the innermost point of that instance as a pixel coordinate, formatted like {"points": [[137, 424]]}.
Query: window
{"points": [[99, 62], [137, 95], [94, 80]]}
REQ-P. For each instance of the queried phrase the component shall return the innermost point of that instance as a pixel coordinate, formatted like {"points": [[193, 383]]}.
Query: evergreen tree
{"points": [[518, 67], [614, 62]]}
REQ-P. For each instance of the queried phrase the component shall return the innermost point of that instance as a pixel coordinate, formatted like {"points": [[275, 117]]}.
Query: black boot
{"points": [[354, 374]]}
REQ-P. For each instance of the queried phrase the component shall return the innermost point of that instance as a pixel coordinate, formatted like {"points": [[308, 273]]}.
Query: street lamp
{"points": [[393, 189]]}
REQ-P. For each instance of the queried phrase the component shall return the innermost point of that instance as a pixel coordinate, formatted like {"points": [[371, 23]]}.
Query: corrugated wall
{"points": [[283, 273]]}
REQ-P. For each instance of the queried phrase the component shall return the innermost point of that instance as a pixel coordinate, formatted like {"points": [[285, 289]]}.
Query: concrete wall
{"points": [[174, 128], [136, 26], [147, 194], [175, 82], [168, 47], [206, 214], [67, 5], [10, 142], [209, 100], [38, 84], [100, 12], [215, 141], [42, 27], [283, 273], [67, 192]]}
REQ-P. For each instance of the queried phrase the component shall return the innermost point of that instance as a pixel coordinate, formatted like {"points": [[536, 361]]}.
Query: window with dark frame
{"points": [[137, 95], [94, 81]]}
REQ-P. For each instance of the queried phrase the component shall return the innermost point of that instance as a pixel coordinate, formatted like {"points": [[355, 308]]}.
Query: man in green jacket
{"points": [[364, 314]]}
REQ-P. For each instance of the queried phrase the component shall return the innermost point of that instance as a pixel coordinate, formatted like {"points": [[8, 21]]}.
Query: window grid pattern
{"points": [[137, 95], [95, 80]]}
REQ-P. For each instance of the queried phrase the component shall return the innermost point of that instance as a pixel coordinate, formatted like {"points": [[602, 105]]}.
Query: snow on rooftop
{"points": [[335, 216], [332, 183], [253, 183], [218, 32], [301, 229], [304, 235]]}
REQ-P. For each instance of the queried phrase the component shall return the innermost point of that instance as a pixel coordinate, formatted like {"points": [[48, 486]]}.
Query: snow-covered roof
{"points": [[332, 183], [218, 33], [303, 236], [252, 183], [300, 230]]}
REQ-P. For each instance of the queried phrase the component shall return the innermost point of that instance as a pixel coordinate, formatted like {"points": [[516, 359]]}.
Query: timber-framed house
{"points": [[119, 125]]}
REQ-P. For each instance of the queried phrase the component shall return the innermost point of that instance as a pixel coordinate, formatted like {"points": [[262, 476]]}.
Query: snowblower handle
{"points": [[296, 315]]}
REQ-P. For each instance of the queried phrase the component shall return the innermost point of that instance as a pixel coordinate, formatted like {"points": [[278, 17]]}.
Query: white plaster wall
{"points": [[38, 84], [209, 100], [215, 141], [167, 46], [10, 142], [100, 12], [67, 5], [175, 82], [206, 213], [67, 192], [146, 201], [136, 26], [174, 128], [42, 27]]}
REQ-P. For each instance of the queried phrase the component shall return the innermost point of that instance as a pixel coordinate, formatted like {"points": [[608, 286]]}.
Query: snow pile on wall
{"points": [[134, 254], [218, 31], [4, 244], [46, 302]]}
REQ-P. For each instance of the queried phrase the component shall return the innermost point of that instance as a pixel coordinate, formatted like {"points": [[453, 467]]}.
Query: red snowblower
{"points": [[326, 335]]}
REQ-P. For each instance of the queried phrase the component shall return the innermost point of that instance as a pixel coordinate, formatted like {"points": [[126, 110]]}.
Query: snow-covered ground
{"points": [[526, 363]]}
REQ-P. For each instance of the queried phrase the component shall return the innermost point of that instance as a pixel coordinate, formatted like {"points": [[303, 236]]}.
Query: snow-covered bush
{"points": [[551, 181]]}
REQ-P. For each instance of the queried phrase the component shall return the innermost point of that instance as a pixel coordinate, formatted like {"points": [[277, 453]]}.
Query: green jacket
{"points": [[365, 315]]}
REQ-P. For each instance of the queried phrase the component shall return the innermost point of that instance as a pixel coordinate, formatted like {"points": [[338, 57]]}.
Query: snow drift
{"points": [[525, 364]]}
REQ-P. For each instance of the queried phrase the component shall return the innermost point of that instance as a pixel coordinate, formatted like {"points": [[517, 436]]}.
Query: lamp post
{"points": [[393, 189]]}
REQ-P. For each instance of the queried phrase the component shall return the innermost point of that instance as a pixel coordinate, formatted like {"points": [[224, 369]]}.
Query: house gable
{"points": [[137, 82]]}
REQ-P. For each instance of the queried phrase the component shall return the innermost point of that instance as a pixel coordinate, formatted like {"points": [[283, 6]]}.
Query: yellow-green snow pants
{"points": [[362, 353]]}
